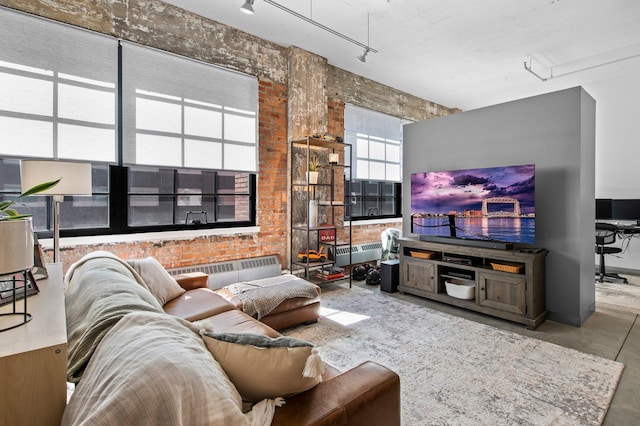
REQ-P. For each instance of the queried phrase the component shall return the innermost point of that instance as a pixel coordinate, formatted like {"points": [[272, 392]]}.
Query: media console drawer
{"points": [[508, 284]]}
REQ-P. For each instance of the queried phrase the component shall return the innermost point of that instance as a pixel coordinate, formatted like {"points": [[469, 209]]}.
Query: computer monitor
{"points": [[625, 209], [603, 208]]}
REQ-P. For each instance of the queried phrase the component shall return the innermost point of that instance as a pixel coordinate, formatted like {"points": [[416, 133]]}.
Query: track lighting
{"points": [[363, 57], [247, 7]]}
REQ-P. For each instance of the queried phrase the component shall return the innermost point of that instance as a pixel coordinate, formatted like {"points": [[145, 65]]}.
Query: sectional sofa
{"points": [[134, 363]]}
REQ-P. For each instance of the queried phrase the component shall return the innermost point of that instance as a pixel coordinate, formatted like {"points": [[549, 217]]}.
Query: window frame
{"points": [[117, 190], [365, 126], [353, 198]]}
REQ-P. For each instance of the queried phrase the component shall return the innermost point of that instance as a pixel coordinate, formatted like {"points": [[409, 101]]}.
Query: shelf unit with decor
{"points": [[318, 209], [508, 284]]}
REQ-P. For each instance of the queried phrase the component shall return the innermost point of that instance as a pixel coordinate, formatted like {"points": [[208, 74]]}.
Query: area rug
{"points": [[621, 297], [455, 371]]}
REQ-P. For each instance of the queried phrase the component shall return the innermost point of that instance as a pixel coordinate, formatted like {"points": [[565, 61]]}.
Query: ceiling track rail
{"points": [[529, 68]]}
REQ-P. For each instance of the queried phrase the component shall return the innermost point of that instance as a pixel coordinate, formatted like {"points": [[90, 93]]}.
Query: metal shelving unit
{"points": [[324, 201]]}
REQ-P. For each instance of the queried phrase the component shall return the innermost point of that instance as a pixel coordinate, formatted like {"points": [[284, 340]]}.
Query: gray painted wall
{"points": [[556, 132]]}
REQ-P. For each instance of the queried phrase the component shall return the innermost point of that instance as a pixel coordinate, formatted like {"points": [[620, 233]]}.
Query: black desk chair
{"points": [[606, 234]]}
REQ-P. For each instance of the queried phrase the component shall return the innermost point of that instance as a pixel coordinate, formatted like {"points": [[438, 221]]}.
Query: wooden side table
{"points": [[33, 359]]}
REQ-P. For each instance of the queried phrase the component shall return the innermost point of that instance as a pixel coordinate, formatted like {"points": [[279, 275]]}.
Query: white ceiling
{"points": [[458, 53]]}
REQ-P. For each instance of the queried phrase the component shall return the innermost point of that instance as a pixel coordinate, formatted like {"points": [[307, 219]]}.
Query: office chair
{"points": [[606, 234]]}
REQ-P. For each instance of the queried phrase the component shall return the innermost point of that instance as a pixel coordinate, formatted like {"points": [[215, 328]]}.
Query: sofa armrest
{"points": [[365, 395], [192, 280]]}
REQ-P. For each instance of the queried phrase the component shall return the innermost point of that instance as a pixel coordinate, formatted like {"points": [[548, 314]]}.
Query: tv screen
{"points": [[494, 203]]}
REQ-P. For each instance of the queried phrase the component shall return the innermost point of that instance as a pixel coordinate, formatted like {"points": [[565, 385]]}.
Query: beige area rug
{"points": [[621, 297], [458, 372]]}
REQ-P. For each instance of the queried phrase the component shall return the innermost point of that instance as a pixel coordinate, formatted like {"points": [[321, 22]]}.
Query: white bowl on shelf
{"points": [[460, 289]]}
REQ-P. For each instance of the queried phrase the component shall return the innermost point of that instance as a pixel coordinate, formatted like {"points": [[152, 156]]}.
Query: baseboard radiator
{"points": [[360, 253], [233, 271]]}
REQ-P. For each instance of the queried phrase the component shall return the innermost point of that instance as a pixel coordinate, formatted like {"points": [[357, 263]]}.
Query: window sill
{"points": [[373, 221], [47, 243]]}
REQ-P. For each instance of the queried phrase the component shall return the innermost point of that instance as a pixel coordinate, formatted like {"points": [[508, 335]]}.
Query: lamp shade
{"points": [[16, 249], [75, 178]]}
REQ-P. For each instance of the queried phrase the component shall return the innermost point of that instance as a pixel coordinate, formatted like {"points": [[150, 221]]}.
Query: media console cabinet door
{"points": [[419, 274], [504, 292]]}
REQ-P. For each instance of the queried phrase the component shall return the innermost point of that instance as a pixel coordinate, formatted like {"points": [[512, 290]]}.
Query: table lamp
{"points": [[16, 256], [75, 179]]}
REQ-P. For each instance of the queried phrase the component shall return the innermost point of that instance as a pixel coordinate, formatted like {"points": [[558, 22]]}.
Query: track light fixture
{"points": [[363, 57], [247, 7]]}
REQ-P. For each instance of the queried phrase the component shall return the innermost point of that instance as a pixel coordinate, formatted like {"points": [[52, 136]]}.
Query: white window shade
{"points": [[377, 142], [58, 88], [184, 113]]}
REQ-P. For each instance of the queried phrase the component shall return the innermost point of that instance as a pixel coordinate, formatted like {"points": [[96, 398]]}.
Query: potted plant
{"points": [[314, 165], [16, 250]]}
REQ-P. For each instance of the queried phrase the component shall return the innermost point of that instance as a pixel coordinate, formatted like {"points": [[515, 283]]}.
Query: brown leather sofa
{"points": [[368, 394], [294, 311]]}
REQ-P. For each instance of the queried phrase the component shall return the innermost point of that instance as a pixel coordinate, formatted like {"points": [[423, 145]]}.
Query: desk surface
{"points": [[625, 227], [629, 229], [48, 326], [33, 359]]}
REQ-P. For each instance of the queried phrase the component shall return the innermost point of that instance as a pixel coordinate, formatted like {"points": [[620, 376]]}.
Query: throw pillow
{"points": [[161, 284], [263, 367]]}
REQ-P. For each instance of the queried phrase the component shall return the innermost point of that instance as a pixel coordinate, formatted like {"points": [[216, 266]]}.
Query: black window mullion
{"points": [[118, 198]]}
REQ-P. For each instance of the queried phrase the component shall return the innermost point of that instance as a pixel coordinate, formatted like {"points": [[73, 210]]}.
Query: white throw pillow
{"points": [[263, 367], [161, 284]]}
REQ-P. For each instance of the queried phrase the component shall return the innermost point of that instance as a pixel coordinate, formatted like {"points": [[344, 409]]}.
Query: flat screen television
{"points": [[492, 204]]}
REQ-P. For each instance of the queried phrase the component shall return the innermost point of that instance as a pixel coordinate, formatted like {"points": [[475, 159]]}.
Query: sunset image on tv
{"points": [[487, 203]]}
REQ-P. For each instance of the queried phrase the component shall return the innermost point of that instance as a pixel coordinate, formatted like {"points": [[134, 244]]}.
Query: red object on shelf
{"points": [[332, 276], [326, 235]]}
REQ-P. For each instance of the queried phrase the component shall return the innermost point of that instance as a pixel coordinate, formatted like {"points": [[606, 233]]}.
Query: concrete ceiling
{"points": [[458, 53]]}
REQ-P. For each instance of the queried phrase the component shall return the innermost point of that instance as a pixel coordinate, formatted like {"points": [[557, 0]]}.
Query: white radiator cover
{"points": [[360, 253], [233, 271]]}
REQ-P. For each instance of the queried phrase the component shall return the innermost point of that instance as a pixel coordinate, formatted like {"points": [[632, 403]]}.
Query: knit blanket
{"points": [[100, 290], [260, 297]]}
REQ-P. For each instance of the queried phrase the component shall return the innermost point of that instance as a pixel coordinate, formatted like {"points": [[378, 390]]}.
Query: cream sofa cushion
{"points": [[161, 284], [263, 367]]}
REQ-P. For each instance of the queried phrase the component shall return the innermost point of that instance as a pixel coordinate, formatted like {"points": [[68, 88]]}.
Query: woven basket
{"points": [[514, 269], [422, 254]]}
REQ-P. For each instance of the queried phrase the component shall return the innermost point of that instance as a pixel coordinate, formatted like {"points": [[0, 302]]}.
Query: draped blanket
{"points": [[136, 365], [100, 290], [151, 369], [259, 297]]}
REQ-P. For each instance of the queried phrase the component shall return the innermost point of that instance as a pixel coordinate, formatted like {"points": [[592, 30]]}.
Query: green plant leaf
{"points": [[6, 204], [39, 188], [10, 212], [7, 213], [17, 216]]}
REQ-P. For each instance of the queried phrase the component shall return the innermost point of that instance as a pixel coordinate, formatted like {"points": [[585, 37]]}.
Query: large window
{"points": [[373, 199], [183, 113], [168, 196], [375, 191], [173, 143]]}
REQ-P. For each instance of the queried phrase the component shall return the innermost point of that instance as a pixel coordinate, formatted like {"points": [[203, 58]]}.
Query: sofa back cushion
{"points": [[161, 284]]}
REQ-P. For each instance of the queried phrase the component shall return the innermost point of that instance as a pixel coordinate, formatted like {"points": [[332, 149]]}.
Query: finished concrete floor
{"points": [[609, 333]]}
